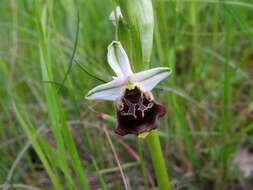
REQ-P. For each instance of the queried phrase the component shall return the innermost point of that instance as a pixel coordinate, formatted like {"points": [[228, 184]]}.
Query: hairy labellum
{"points": [[137, 112]]}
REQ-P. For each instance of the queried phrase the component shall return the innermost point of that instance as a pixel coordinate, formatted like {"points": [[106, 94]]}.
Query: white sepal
{"points": [[150, 78], [118, 60], [108, 91]]}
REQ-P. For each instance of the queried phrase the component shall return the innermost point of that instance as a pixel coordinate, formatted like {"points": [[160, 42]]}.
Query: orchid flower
{"points": [[115, 15], [137, 111]]}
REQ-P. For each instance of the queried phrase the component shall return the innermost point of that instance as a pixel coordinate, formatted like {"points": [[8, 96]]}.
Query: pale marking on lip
{"points": [[142, 107], [132, 107]]}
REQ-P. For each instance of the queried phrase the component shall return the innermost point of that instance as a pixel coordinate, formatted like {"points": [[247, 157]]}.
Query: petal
{"points": [[150, 78], [118, 60], [143, 135], [107, 91], [116, 12]]}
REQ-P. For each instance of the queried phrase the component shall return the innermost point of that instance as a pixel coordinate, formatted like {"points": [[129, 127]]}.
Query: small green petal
{"points": [[143, 135]]}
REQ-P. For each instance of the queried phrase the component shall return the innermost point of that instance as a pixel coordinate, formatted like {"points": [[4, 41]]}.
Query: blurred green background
{"points": [[206, 136]]}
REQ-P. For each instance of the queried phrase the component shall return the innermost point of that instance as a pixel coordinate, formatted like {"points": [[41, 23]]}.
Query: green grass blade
{"points": [[59, 125], [30, 134]]}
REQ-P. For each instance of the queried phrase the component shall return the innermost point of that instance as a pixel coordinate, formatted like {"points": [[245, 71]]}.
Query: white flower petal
{"points": [[108, 91], [118, 60], [150, 78], [116, 12]]}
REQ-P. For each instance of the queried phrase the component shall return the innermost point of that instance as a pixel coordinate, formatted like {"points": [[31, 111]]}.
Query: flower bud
{"points": [[140, 19], [115, 15], [146, 27]]}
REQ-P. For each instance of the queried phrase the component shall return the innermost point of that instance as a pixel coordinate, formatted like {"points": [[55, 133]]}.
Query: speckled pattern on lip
{"points": [[137, 112]]}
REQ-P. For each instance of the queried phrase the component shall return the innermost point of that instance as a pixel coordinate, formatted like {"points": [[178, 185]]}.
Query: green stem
{"points": [[158, 161], [142, 166]]}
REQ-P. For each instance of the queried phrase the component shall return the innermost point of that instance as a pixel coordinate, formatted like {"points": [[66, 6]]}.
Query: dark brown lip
{"points": [[138, 112]]}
